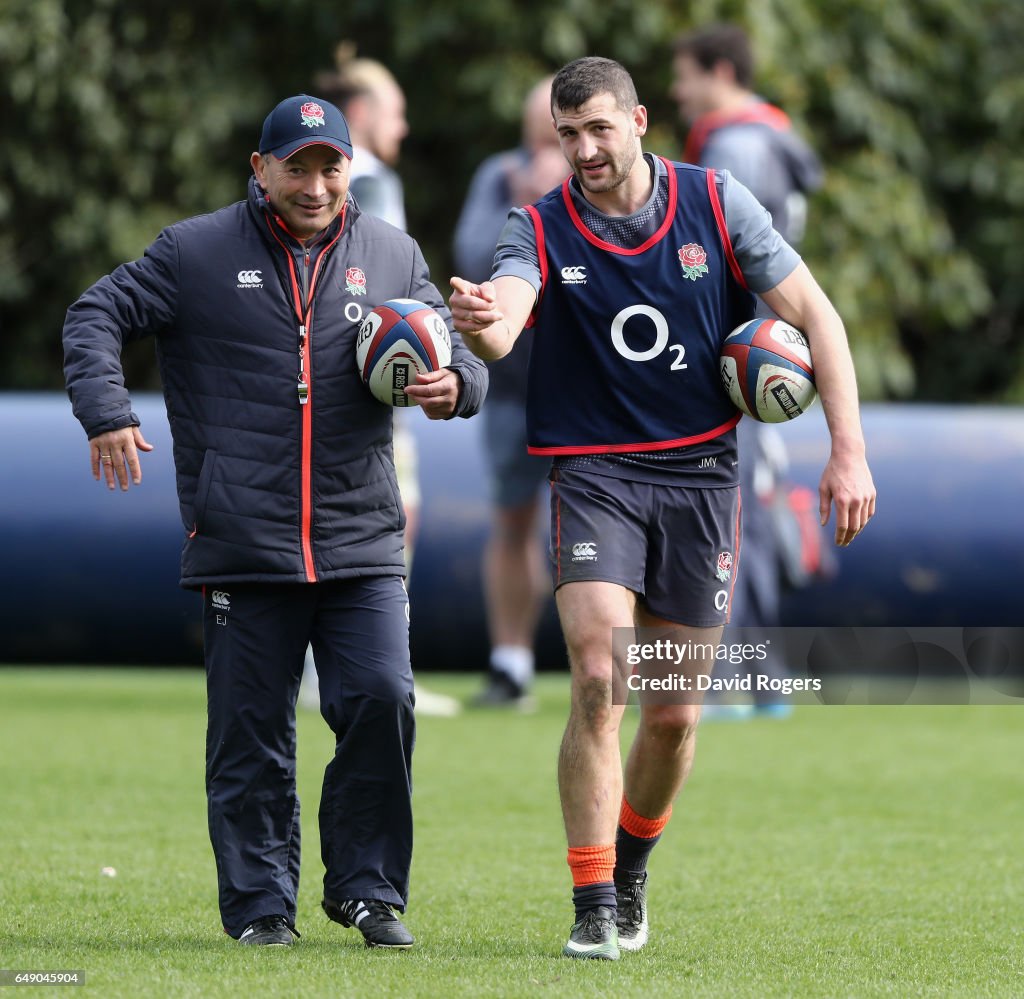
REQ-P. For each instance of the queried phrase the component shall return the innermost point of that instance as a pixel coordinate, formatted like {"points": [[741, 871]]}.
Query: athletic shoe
{"points": [[429, 702], [502, 691], [594, 936], [376, 920], [268, 931], [631, 918]]}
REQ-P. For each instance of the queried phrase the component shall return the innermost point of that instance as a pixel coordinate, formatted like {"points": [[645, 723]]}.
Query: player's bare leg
{"points": [[589, 763], [657, 766], [661, 756]]}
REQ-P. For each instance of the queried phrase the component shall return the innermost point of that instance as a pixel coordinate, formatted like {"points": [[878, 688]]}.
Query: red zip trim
{"points": [[305, 319], [307, 418]]}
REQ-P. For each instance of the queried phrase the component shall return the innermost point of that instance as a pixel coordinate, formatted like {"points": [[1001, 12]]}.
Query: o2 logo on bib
{"points": [[639, 321]]}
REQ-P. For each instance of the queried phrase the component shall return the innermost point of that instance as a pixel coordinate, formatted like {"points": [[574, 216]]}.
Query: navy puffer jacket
{"points": [[271, 489]]}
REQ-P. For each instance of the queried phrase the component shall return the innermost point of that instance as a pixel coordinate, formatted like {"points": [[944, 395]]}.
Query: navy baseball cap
{"points": [[304, 121]]}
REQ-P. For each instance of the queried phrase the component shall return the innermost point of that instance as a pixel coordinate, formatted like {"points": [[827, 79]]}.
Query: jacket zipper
{"points": [[304, 386], [303, 383]]}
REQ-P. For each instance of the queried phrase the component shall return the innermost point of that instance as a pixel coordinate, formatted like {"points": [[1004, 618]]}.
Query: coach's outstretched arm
{"points": [[846, 480], [138, 299], [490, 316]]}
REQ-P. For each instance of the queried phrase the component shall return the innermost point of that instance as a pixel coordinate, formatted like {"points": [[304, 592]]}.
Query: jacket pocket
{"points": [[391, 477], [203, 490]]}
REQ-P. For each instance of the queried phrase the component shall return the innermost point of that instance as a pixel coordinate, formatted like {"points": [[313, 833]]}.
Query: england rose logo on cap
{"points": [[312, 114], [301, 121]]}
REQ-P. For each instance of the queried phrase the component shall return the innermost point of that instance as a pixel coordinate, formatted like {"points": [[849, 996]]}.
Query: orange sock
{"points": [[637, 825], [591, 864]]}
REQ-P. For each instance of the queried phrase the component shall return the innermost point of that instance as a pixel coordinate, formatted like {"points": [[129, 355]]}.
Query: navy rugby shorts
{"points": [[677, 547]]}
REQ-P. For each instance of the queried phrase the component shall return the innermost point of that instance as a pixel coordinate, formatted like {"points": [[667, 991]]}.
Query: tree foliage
{"points": [[121, 118]]}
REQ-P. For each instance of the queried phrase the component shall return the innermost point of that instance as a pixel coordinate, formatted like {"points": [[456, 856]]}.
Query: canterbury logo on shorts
{"points": [[585, 551]]}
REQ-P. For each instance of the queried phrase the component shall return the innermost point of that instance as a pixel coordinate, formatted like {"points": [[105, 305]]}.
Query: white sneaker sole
{"points": [[600, 952], [634, 942]]}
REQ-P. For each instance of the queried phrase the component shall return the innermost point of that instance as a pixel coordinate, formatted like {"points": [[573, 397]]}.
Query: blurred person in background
{"points": [[732, 128], [516, 580], [288, 497], [372, 101]]}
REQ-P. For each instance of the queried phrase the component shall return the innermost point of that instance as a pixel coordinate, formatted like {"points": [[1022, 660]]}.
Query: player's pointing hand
{"points": [[473, 306]]}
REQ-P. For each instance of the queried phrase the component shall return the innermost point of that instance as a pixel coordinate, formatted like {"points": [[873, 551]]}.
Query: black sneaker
{"points": [[502, 691], [594, 936], [268, 931], [631, 920], [376, 920]]}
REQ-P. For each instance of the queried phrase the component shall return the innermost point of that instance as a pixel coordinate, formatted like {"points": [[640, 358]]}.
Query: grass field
{"points": [[846, 851]]}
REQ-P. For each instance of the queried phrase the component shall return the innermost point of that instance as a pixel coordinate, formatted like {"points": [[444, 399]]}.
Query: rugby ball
{"points": [[767, 371], [398, 341]]}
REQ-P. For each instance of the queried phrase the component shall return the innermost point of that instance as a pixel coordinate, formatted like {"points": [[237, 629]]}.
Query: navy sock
{"points": [[631, 853], [586, 897]]}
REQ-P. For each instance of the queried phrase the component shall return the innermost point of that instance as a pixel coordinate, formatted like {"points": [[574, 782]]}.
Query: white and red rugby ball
{"points": [[397, 342], [767, 371]]}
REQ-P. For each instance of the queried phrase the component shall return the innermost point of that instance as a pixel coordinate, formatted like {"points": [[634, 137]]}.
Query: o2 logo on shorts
{"points": [[584, 551]]}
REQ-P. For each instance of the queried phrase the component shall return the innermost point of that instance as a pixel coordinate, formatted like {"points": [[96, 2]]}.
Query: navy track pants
{"points": [[255, 642]]}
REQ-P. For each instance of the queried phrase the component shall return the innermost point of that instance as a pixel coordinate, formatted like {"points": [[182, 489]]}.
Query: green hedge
{"points": [[123, 117]]}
